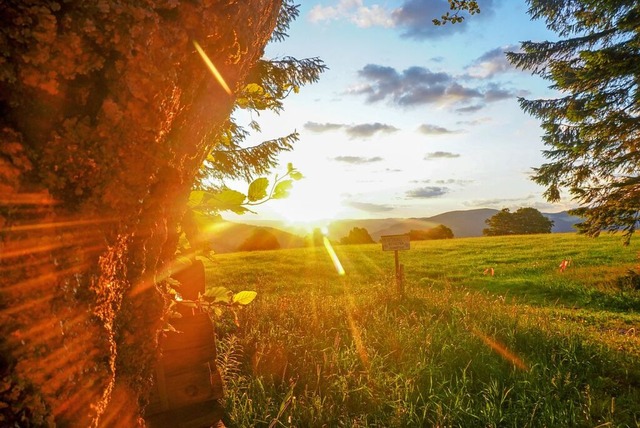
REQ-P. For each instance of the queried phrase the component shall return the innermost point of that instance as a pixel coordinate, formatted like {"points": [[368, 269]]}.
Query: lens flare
{"points": [[212, 67], [500, 349], [333, 255]]}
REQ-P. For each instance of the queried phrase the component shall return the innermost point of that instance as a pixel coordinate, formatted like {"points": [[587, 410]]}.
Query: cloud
{"points": [[454, 181], [322, 127], [492, 63], [500, 203], [441, 155], [354, 131], [449, 181], [434, 130], [354, 11], [368, 129], [474, 122], [372, 208], [427, 192], [419, 86], [414, 18], [470, 109], [357, 160]]}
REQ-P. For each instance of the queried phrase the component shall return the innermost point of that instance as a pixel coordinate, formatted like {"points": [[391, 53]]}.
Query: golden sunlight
{"points": [[309, 205]]}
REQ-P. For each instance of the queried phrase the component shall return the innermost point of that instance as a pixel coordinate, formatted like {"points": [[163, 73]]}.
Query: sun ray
{"points": [[57, 225], [213, 68]]}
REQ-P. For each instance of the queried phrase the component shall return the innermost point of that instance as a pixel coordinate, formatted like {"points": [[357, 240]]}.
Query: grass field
{"points": [[528, 347]]}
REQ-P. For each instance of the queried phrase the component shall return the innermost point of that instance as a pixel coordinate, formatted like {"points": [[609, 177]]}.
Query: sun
{"points": [[310, 204]]}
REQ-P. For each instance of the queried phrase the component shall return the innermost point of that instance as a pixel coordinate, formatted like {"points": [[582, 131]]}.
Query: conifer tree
{"points": [[592, 129]]}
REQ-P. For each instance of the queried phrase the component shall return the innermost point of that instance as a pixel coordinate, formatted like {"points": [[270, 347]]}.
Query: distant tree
{"points": [[259, 240], [592, 127], [439, 232], [357, 235], [525, 221]]}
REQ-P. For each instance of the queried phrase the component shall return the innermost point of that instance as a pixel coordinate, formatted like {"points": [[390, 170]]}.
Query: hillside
{"points": [[464, 224], [227, 236]]}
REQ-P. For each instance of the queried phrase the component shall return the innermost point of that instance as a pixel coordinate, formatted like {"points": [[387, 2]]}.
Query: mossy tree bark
{"points": [[107, 114]]}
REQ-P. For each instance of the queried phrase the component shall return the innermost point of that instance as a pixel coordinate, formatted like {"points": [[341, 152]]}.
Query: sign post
{"points": [[397, 243]]}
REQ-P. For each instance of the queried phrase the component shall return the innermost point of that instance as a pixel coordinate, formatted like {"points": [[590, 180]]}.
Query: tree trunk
{"points": [[107, 114]]}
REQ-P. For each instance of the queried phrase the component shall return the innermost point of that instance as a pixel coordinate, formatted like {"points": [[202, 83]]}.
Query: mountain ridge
{"points": [[463, 223]]}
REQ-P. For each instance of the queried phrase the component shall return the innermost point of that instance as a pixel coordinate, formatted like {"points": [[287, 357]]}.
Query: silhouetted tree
{"points": [[439, 232], [357, 235], [524, 221]]}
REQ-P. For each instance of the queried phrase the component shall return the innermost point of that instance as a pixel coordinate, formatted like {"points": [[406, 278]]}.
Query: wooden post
{"points": [[396, 243], [398, 278]]}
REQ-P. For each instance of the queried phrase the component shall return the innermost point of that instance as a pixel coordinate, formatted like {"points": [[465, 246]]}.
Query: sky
{"points": [[411, 119]]}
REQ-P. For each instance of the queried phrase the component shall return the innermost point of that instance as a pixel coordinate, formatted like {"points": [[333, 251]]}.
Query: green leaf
{"points": [[258, 189], [226, 200], [282, 189], [289, 167], [218, 294], [254, 88], [244, 297], [195, 198], [296, 175]]}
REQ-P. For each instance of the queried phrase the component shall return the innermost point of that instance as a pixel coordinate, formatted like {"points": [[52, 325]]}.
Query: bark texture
{"points": [[107, 112]]}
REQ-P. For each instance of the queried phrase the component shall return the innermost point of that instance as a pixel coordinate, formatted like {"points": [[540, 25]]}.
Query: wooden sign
{"points": [[395, 242]]}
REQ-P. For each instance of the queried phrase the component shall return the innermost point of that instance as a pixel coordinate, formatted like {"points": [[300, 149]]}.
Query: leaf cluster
{"points": [[456, 6], [214, 301]]}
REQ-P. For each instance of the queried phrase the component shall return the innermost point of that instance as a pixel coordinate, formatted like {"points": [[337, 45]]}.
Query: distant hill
{"points": [[464, 223], [563, 222], [226, 236]]}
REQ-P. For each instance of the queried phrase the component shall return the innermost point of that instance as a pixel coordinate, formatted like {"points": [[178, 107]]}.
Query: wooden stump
{"points": [[187, 382]]}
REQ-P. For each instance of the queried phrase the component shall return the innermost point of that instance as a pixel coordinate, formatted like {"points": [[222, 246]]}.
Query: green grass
{"points": [[530, 346]]}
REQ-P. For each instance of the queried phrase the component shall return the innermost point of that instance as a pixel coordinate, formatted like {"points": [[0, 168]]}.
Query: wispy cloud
{"points": [[323, 127], [492, 63], [434, 130], [449, 181], [474, 122], [470, 109], [427, 192], [441, 155], [368, 129], [500, 203], [455, 181], [369, 207], [357, 160], [416, 86], [354, 11], [362, 130], [413, 18]]}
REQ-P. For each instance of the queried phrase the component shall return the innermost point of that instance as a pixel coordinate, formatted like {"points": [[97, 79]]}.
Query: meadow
{"points": [[530, 346]]}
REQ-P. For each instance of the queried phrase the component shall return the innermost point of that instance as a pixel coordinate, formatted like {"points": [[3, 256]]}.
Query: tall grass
{"points": [[527, 347]]}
